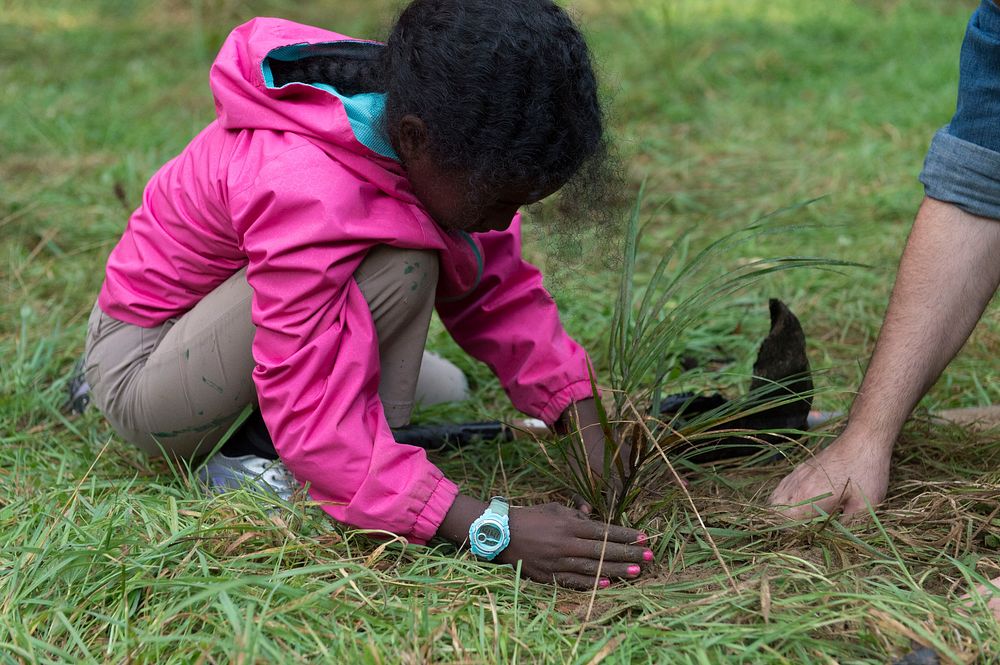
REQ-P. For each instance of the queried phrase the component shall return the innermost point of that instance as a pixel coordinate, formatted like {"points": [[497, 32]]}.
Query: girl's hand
{"points": [[582, 417], [558, 544], [612, 490]]}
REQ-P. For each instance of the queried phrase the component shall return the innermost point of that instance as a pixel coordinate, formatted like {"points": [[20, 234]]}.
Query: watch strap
{"points": [[499, 505]]}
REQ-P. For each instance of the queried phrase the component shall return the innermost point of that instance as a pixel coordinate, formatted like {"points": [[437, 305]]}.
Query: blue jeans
{"points": [[963, 163]]}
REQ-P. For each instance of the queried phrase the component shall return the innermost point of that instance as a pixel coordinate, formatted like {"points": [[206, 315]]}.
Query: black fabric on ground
{"points": [[252, 438]]}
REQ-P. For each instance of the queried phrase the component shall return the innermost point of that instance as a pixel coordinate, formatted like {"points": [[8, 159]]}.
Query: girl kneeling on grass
{"points": [[291, 255]]}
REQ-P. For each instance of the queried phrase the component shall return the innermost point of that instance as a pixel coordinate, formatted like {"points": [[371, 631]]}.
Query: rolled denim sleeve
{"points": [[964, 174], [963, 163]]}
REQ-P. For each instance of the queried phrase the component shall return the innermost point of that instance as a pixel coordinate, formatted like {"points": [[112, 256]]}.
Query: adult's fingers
{"points": [[788, 488], [854, 506], [813, 506], [800, 493], [807, 510]]}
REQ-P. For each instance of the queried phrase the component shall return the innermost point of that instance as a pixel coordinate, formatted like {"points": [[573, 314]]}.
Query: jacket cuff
{"points": [[574, 392], [434, 511]]}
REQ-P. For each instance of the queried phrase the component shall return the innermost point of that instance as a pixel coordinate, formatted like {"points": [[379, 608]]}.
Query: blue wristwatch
{"points": [[490, 533]]}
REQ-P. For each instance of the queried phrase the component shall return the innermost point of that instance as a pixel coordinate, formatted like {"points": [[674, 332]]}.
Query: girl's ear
{"points": [[412, 138]]}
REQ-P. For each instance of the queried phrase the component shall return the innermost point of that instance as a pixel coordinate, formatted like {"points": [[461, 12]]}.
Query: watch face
{"points": [[489, 535]]}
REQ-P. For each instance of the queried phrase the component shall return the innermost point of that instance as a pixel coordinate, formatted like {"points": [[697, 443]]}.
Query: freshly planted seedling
{"points": [[646, 346]]}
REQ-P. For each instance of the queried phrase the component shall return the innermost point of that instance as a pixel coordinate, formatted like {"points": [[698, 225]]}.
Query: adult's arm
{"points": [[949, 270]]}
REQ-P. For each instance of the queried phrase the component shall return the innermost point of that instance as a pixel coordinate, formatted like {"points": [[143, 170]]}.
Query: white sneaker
{"points": [[221, 473]]}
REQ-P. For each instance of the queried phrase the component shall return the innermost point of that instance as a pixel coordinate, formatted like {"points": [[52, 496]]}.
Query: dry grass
{"points": [[728, 109]]}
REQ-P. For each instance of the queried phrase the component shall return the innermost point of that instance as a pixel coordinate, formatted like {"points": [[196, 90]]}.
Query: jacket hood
{"points": [[345, 127], [246, 97]]}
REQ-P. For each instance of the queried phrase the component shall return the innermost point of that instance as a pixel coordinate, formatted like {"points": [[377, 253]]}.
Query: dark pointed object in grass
{"points": [[781, 382]]}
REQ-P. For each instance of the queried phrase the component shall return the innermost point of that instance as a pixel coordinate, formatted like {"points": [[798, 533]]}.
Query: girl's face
{"points": [[447, 195]]}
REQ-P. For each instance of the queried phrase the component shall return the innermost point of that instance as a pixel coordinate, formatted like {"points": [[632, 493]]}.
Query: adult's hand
{"points": [[851, 471], [556, 543], [946, 277]]}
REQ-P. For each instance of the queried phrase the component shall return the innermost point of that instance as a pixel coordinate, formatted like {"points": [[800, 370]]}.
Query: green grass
{"points": [[728, 109]]}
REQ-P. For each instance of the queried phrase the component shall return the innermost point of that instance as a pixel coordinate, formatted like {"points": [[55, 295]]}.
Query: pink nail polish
{"points": [[641, 538], [647, 555], [604, 583], [633, 570]]}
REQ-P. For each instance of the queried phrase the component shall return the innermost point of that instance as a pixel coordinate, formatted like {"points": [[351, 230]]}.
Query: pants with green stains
{"points": [[178, 387]]}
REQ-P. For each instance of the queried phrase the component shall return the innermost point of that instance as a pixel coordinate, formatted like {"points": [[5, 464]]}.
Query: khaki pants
{"points": [[178, 387]]}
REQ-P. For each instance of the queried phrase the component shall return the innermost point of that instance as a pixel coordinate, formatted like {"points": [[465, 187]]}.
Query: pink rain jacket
{"points": [[280, 184]]}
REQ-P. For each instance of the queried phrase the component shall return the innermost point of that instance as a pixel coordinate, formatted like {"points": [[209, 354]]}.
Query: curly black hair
{"points": [[506, 89], [508, 95]]}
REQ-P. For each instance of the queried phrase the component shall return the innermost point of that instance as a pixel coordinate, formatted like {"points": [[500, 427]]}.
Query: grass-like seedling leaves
{"points": [[646, 341]]}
